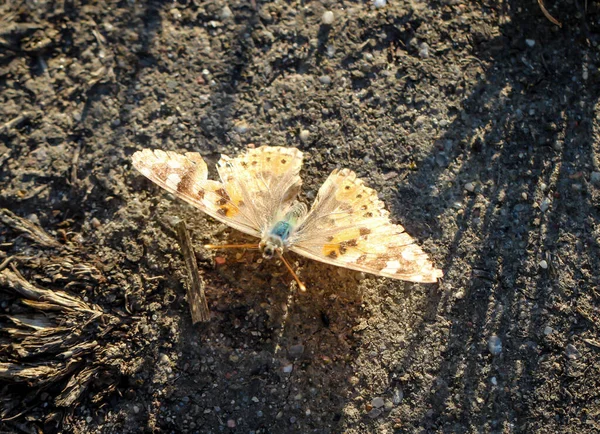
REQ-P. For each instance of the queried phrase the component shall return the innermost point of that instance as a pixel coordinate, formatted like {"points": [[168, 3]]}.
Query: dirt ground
{"points": [[478, 124]]}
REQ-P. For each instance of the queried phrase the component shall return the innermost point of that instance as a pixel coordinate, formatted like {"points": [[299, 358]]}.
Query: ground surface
{"points": [[476, 121]]}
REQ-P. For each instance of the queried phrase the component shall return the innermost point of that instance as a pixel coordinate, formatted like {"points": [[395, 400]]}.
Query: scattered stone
{"points": [[572, 352], [548, 330], [375, 413], [470, 187], [530, 43], [379, 3], [495, 345], [241, 127], [226, 13], [595, 178], [545, 204], [296, 350], [424, 50], [494, 381], [327, 18], [398, 396], [325, 79], [231, 423], [389, 405], [543, 264], [378, 402], [293, 419], [304, 135], [287, 369]]}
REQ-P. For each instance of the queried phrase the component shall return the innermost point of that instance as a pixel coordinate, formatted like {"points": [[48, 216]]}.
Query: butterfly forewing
{"points": [[185, 175], [348, 226], [266, 179]]}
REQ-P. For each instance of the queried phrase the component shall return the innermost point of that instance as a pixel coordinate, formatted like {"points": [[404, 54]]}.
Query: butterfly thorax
{"points": [[277, 237]]}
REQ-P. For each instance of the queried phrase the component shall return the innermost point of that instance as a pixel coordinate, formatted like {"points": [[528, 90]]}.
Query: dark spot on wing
{"points": [[359, 196], [329, 238], [348, 187], [368, 214], [223, 211], [221, 192], [361, 259], [333, 254], [364, 231], [244, 164], [283, 161], [201, 194], [350, 243], [186, 183], [343, 248], [222, 201]]}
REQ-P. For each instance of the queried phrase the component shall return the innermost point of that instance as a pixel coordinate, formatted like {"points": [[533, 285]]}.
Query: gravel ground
{"points": [[478, 125]]}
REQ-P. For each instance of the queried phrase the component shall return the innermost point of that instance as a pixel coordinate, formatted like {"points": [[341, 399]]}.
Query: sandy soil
{"points": [[476, 121]]}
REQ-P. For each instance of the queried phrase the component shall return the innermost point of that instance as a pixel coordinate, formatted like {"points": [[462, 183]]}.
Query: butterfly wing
{"points": [[265, 179], [348, 226], [186, 176]]}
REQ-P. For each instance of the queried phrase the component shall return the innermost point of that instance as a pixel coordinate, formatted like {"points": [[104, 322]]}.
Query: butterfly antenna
{"points": [[231, 246], [289, 267]]}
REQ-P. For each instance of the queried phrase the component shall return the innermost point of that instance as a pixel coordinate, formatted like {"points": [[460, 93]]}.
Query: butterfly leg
{"points": [[230, 246]]}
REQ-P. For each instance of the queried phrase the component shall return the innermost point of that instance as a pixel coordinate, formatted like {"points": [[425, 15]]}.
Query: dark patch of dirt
{"points": [[476, 121]]}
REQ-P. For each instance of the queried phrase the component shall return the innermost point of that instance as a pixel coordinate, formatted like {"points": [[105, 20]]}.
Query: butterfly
{"points": [[347, 225]]}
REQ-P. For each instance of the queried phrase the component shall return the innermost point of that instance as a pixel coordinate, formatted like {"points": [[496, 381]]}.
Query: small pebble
{"points": [[494, 381], [389, 405], [378, 402], [424, 50], [231, 423], [327, 18], [136, 409], [293, 419], [548, 330], [304, 135], [398, 396], [296, 350], [96, 223], [288, 368], [545, 204], [375, 413], [495, 345], [530, 43], [325, 79], [226, 13], [379, 3], [241, 127], [543, 264], [470, 187], [572, 352], [595, 178]]}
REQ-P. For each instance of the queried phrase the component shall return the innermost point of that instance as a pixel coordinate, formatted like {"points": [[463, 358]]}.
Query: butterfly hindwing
{"points": [[348, 226], [186, 176]]}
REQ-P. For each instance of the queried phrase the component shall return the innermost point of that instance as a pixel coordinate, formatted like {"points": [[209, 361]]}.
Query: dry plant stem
{"points": [[289, 267], [195, 289], [547, 14]]}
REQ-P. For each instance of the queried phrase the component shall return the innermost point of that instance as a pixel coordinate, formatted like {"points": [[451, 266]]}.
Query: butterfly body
{"points": [[347, 225]]}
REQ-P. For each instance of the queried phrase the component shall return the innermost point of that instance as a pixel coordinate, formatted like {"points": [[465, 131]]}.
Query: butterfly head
{"points": [[271, 245]]}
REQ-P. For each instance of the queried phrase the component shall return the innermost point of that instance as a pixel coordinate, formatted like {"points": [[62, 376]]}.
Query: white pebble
{"points": [[495, 345], [595, 178], [470, 187], [530, 43], [378, 402], [545, 204], [543, 264], [304, 135], [226, 12], [327, 18], [548, 330], [325, 79], [424, 50], [494, 381], [287, 369], [379, 3]]}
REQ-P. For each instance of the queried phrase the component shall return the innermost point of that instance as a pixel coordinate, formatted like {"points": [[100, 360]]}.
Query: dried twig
{"points": [[195, 288], [547, 14], [30, 229], [14, 122]]}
